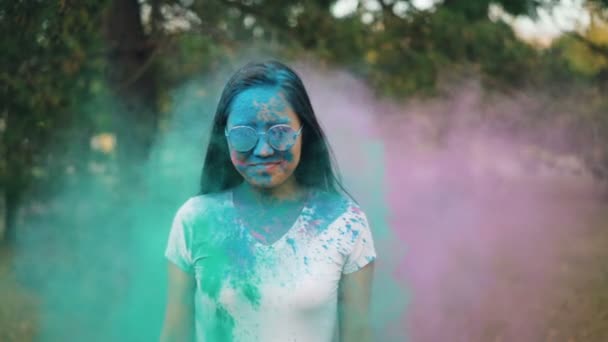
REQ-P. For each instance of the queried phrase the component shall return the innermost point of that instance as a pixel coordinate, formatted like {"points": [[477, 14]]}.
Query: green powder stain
{"points": [[252, 293], [227, 260], [292, 243], [223, 330]]}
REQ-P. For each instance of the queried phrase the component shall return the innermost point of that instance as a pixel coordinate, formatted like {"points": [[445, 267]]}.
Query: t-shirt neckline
{"points": [[280, 240]]}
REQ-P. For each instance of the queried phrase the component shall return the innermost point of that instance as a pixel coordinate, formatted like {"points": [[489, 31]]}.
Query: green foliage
{"points": [[474, 10], [50, 57], [471, 10], [520, 7], [601, 2]]}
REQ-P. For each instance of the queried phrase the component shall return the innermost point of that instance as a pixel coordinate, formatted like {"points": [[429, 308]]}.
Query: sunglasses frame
{"points": [[259, 134]]}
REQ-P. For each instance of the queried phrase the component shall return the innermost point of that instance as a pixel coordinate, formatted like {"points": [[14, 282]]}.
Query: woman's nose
{"points": [[263, 148]]}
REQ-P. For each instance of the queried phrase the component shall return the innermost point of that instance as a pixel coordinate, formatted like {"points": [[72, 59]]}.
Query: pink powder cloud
{"points": [[483, 211]]}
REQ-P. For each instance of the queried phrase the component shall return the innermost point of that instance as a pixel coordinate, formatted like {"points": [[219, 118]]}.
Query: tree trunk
{"points": [[11, 208], [131, 74], [3, 217]]}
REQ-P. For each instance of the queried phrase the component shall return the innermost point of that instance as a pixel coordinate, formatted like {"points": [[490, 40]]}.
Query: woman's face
{"points": [[261, 108]]}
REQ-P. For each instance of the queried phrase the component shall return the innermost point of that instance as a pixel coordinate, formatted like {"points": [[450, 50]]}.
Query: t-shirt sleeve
{"points": [[363, 251], [178, 246]]}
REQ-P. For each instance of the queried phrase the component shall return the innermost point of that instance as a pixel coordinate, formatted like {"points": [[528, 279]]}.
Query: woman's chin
{"points": [[265, 182], [268, 184]]}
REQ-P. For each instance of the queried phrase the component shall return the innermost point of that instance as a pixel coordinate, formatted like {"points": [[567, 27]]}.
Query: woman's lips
{"points": [[265, 166]]}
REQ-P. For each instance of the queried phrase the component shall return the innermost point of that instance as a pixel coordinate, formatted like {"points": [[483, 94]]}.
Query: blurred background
{"points": [[474, 133]]}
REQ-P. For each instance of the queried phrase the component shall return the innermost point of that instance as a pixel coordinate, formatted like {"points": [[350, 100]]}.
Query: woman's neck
{"points": [[289, 191]]}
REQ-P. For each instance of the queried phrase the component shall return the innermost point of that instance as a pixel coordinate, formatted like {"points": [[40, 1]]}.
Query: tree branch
{"points": [[595, 47], [146, 64]]}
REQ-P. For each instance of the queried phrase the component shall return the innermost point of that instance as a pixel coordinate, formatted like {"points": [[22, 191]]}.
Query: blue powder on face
{"points": [[287, 155], [261, 107], [258, 104]]}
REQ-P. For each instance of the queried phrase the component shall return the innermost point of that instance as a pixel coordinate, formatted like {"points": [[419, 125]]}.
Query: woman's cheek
{"points": [[292, 158], [238, 160]]}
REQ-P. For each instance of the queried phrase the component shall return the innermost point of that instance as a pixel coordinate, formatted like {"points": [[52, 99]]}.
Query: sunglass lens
{"points": [[242, 139], [282, 137]]}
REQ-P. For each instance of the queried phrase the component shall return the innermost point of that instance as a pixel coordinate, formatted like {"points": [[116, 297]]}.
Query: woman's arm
{"points": [[353, 304], [179, 316]]}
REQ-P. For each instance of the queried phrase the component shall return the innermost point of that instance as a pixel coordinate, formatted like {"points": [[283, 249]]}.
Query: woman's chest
{"points": [[298, 263], [268, 226], [296, 278]]}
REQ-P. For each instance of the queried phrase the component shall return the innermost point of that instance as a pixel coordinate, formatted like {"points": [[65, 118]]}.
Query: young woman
{"points": [[273, 248]]}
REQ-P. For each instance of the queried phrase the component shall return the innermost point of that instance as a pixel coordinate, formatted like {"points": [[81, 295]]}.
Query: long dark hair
{"points": [[317, 164]]}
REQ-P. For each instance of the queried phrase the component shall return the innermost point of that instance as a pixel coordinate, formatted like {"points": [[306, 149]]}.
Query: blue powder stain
{"points": [[325, 246], [252, 102], [355, 234], [292, 243], [288, 156], [306, 261], [327, 208]]}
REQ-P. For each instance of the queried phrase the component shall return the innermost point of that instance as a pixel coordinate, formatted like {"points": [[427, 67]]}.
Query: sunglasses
{"points": [[244, 138]]}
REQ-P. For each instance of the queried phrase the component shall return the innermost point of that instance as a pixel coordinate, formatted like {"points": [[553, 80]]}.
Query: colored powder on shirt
{"points": [[292, 243]]}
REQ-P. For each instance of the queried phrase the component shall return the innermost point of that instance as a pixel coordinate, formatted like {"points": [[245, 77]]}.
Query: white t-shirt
{"points": [[285, 291]]}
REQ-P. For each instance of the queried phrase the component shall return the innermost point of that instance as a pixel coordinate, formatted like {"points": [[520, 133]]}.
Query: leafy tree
{"points": [[583, 55], [49, 61]]}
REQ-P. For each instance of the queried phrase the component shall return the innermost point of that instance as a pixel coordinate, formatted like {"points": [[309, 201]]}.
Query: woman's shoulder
{"points": [[203, 204], [333, 199], [333, 205]]}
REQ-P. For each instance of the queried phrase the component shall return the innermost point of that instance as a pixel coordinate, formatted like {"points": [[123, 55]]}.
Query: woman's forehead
{"points": [[260, 104]]}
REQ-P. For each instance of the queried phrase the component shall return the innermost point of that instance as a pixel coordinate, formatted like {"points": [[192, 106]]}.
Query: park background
{"points": [[474, 134]]}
